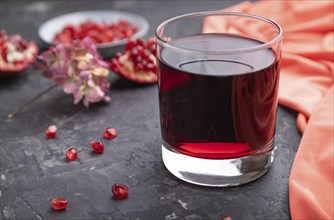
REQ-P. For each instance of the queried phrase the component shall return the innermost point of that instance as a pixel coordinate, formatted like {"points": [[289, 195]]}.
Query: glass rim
{"points": [[264, 45]]}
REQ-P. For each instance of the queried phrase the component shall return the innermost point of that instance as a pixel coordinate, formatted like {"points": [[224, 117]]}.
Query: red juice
{"points": [[218, 108]]}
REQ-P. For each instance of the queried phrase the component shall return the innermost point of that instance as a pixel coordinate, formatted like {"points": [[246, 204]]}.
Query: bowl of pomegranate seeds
{"points": [[109, 29]]}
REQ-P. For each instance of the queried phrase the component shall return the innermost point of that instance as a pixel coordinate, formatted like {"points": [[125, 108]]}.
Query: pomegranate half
{"points": [[138, 61], [16, 53]]}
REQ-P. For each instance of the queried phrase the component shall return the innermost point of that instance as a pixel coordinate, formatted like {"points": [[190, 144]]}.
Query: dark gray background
{"points": [[33, 169]]}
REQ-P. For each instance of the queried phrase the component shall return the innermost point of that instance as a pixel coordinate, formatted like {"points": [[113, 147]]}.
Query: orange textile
{"points": [[306, 85]]}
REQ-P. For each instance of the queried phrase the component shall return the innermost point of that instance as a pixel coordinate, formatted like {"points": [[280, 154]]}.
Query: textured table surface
{"points": [[33, 169]]}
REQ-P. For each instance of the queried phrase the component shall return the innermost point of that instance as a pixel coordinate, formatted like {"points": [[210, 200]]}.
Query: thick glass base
{"points": [[218, 172]]}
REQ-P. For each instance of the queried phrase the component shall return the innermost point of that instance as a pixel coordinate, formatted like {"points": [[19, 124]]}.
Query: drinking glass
{"points": [[218, 75]]}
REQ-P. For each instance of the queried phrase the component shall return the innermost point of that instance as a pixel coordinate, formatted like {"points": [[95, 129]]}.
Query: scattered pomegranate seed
{"points": [[110, 133], [226, 218], [59, 204], [51, 131], [71, 154], [120, 191], [97, 146]]}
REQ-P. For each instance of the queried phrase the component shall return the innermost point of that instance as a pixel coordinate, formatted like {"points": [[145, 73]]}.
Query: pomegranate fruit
{"points": [[138, 61], [120, 191], [59, 204], [15, 53]]}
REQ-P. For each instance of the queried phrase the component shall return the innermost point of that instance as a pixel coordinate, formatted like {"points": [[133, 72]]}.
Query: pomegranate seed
{"points": [[51, 131], [120, 191], [97, 146], [71, 154], [59, 204], [131, 44], [142, 53], [110, 133], [138, 59], [4, 52], [140, 42], [226, 218], [22, 45], [139, 67], [134, 51]]}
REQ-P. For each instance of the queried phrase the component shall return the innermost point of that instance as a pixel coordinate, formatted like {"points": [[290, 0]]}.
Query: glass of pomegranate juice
{"points": [[218, 76]]}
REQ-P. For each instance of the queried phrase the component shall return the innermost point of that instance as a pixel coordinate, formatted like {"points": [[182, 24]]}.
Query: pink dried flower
{"points": [[79, 69]]}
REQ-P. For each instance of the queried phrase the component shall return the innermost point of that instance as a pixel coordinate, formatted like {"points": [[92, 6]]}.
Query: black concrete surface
{"points": [[33, 169]]}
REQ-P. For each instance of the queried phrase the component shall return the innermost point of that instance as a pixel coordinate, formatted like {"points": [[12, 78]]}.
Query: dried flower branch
{"points": [[79, 69]]}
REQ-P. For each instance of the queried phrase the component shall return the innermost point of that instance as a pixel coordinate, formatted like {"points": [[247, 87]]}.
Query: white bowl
{"points": [[51, 27]]}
